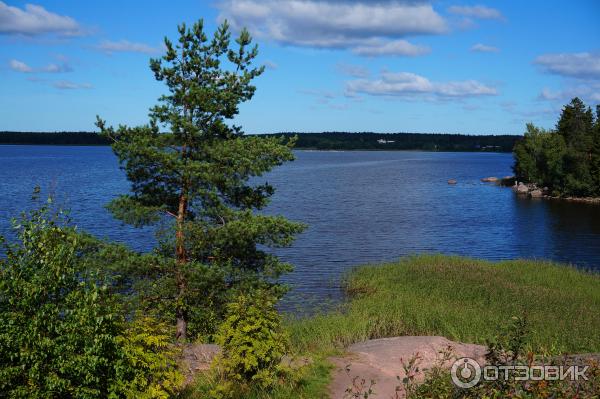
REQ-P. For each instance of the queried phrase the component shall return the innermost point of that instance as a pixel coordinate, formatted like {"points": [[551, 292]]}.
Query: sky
{"points": [[466, 67]]}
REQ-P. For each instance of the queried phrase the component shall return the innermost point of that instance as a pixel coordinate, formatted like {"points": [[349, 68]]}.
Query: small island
{"points": [[563, 162]]}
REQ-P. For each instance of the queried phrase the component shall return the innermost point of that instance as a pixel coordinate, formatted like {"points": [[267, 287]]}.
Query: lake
{"points": [[361, 207]]}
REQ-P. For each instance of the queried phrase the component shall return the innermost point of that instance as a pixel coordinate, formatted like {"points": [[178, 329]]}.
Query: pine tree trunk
{"points": [[181, 258]]}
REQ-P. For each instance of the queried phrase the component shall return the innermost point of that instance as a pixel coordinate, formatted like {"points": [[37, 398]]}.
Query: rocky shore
{"points": [[533, 191]]}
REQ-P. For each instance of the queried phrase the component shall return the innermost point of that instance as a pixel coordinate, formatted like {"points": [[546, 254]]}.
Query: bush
{"points": [[152, 358], [253, 342], [62, 333]]}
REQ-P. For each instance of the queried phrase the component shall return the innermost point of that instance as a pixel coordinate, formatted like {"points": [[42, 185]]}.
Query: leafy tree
{"points": [[201, 174], [566, 160], [62, 334]]}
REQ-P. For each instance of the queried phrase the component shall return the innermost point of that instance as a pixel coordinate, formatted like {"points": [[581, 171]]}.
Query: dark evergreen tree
{"points": [[566, 160], [200, 173], [576, 126]]}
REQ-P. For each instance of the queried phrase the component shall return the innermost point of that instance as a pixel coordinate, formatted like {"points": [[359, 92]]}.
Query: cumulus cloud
{"points": [[368, 28], [35, 20], [482, 48], [68, 85], [20, 66], [405, 84], [393, 47], [573, 65], [125, 46], [589, 92], [480, 12]]}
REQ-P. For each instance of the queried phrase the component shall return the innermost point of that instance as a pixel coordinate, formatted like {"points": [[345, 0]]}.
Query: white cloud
{"points": [[68, 85], [548, 95], [20, 66], [356, 71], [574, 65], [56, 68], [270, 64], [394, 47], [405, 84], [589, 92], [125, 46], [363, 26], [35, 20], [482, 48], [480, 12]]}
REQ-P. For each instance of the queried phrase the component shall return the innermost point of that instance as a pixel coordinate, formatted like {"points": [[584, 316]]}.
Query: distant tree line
{"points": [[317, 141], [53, 138], [403, 141], [566, 159]]}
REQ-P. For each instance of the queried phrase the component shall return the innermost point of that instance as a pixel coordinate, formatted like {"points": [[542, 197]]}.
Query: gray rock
{"points": [[491, 179], [382, 360], [522, 188], [537, 193]]}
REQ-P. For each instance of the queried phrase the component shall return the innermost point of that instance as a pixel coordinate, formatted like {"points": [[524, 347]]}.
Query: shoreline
{"points": [[295, 148], [531, 190]]}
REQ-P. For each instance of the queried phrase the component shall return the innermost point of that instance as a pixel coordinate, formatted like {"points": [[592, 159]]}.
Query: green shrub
{"points": [[62, 333], [253, 342], [153, 359]]}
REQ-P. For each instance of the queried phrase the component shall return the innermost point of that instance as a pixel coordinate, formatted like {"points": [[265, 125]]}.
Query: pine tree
{"points": [[201, 173], [576, 125]]}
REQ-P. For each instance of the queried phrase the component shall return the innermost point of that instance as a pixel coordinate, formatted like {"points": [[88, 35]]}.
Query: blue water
{"points": [[361, 207]]}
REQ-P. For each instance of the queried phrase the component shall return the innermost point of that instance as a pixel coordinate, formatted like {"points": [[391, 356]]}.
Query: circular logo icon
{"points": [[465, 372]]}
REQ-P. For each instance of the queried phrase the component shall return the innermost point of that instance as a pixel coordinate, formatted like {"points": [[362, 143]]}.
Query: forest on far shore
{"points": [[317, 141]]}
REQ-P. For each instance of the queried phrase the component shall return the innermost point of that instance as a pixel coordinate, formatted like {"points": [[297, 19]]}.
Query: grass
{"points": [[462, 299], [311, 384]]}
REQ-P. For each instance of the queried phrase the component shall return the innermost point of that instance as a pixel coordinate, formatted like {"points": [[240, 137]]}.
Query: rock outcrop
{"points": [[382, 360]]}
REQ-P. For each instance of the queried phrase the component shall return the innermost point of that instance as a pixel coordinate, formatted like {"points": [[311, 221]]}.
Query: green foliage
{"points": [[62, 332], [199, 182], [252, 341], [153, 358], [58, 327], [308, 382], [566, 160], [540, 157]]}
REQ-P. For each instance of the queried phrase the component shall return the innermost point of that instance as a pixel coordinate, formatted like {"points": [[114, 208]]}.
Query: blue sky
{"points": [[344, 65]]}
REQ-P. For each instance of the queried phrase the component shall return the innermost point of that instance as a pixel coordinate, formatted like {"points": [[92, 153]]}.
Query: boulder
{"points": [[507, 181], [522, 188], [382, 360], [490, 179], [197, 358], [537, 193]]}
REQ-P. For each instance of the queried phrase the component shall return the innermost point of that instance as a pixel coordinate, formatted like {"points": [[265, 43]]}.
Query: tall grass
{"points": [[463, 299]]}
